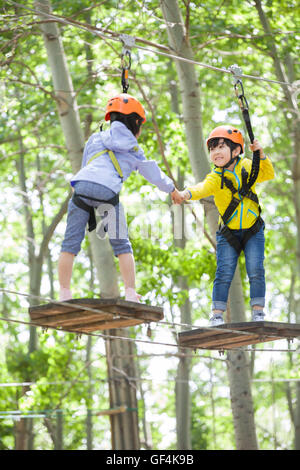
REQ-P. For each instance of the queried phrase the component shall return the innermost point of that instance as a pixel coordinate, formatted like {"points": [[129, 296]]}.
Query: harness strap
{"points": [[243, 192], [76, 198], [246, 116], [113, 159], [83, 205], [237, 244]]}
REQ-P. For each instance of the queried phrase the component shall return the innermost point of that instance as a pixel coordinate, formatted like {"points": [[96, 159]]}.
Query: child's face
{"points": [[220, 154]]}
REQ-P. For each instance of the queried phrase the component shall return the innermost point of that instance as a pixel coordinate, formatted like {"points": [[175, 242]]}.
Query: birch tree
{"points": [[238, 370], [101, 250], [286, 72]]}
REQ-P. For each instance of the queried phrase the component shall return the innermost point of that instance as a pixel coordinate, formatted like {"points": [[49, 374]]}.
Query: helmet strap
{"points": [[226, 166]]}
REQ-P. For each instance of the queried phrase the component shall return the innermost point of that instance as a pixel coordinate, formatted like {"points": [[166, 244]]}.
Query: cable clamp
{"points": [[128, 42], [236, 72], [237, 82]]}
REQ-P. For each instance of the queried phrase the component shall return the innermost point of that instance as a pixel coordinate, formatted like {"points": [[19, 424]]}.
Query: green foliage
{"points": [[221, 33]]}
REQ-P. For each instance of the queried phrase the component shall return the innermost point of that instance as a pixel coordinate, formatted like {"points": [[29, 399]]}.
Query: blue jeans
{"points": [[227, 258], [114, 221]]}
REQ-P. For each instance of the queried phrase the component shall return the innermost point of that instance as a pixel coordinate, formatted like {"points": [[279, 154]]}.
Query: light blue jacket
{"points": [[130, 156]]}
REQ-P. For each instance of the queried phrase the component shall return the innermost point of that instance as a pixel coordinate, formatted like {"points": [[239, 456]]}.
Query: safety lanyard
{"points": [[113, 159], [237, 72]]}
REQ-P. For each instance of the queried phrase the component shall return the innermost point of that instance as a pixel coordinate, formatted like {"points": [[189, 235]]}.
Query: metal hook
{"points": [[128, 43]]}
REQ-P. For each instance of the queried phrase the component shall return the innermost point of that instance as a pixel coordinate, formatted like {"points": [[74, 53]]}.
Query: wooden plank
{"points": [[238, 335], [105, 325], [71, 318], [86, 315], [36, 315]]}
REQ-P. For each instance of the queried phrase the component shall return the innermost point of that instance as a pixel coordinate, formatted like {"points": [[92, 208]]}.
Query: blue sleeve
{"points": [[150, 170]]}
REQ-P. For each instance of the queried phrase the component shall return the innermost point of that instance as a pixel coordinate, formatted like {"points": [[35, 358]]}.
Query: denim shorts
{"points": [[112, 220], [227, 258]]}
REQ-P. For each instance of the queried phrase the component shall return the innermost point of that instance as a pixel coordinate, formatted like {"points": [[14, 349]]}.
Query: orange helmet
{"points": [[227, 132], [125, 104]]}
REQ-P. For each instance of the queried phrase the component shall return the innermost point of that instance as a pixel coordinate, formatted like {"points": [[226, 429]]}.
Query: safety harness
{"points": [[245, 189], [128, 42], [113, 201]]}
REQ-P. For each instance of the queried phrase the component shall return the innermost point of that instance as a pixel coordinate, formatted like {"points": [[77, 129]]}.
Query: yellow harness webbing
{"points": [[113, 159]]}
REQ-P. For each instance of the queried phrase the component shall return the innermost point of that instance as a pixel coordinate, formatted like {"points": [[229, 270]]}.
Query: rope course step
{"points": [[230, 328], [80, 316], [236, 335]]}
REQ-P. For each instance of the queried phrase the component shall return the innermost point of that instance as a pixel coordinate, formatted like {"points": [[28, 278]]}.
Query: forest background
{"points": [[57, 391]]}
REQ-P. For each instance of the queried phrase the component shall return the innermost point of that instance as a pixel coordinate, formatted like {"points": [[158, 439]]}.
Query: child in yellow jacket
{"points": [[244, 229]]}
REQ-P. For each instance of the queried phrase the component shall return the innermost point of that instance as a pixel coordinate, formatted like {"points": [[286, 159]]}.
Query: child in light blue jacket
{"points": [[108, 160]]}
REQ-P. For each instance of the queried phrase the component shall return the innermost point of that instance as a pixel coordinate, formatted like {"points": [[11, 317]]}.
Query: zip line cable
{"points": [[95, 310], [17, 414], [161, 49], [106, 336], [141, 379], [117, 37]]}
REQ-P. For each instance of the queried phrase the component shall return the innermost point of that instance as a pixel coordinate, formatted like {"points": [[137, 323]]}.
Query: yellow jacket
{"points": [[247, 211]]}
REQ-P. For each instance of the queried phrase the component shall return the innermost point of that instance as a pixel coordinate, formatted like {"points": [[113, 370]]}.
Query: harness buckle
{"points": [[244, 191]]}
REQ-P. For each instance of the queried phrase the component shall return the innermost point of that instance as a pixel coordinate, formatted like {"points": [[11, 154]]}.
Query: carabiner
{"points": [[128, 43], [237, 81]]}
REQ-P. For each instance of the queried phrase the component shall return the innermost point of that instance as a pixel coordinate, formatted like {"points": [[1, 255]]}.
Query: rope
{"points": [[134, 340], [95, 310], [116, 37], [141, 379]]}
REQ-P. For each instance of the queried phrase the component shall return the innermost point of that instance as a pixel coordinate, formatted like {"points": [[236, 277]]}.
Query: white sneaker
{"points": [[216, 319], [64, 294], [131, 295], [258, 315]]}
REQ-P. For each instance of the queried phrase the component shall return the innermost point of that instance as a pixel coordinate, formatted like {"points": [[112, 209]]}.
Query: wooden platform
{"points": [[96, 314], [236, 335]]}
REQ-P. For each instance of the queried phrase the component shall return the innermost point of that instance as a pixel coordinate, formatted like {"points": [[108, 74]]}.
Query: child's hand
{"points": [[179, 196], [256, 146]]}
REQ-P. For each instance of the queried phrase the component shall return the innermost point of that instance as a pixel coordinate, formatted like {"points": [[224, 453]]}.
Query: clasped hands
{"points": [[179, 196]]}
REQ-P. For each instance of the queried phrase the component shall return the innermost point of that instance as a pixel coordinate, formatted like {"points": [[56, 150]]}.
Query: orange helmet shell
{"points": [[227, 132], [125, 104]]}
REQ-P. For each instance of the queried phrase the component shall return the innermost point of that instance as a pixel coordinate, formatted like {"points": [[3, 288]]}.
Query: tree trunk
{"points": [[101, 250], [182, 387], [239, 381], [121, 368], [35, 265], [293, 125], [89, 417], [182, 390]]}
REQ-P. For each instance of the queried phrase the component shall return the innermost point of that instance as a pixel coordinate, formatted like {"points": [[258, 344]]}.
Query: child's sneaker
{"points": [[216, 319], [131, 295], [258, 315], [64, 294]]}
